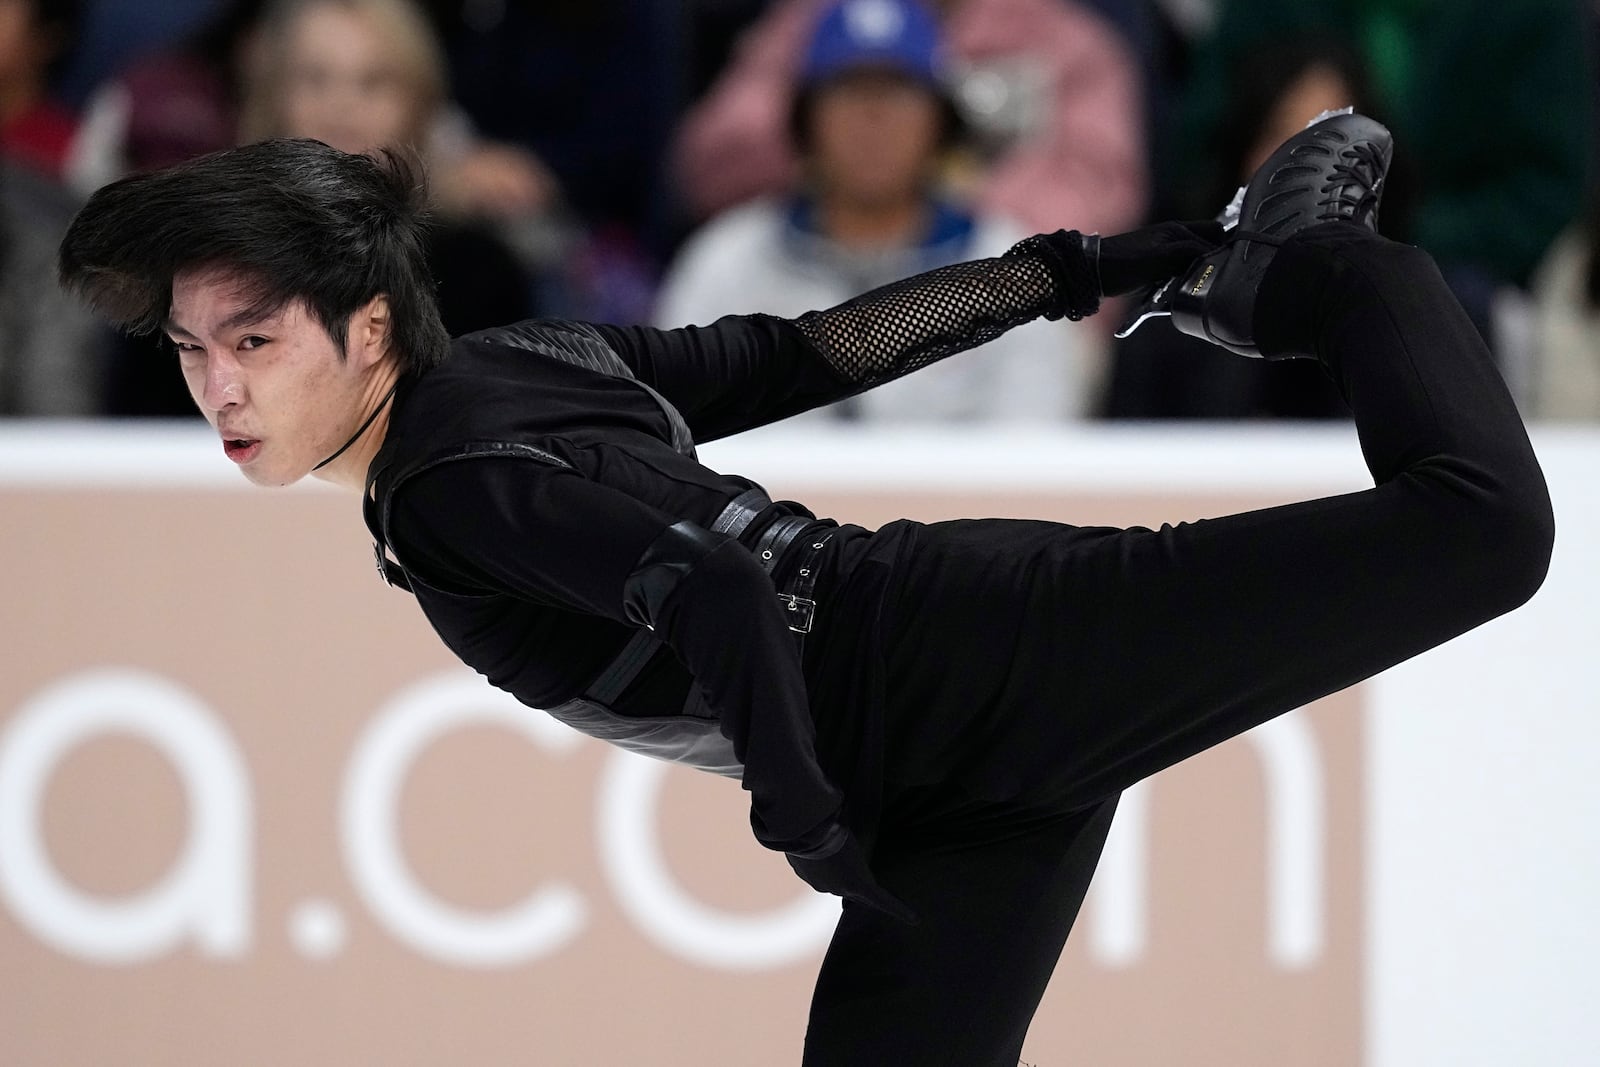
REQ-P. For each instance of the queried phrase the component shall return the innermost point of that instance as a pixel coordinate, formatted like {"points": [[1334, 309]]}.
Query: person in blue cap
{"points": [[876, 131], [933, 721], [1050, 89]]}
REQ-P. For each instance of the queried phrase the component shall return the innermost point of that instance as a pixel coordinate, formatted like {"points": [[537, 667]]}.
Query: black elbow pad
{"points": [[664, 564]]}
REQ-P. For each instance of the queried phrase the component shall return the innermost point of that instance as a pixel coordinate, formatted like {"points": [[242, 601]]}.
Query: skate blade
{"points": [[1155, 304]]}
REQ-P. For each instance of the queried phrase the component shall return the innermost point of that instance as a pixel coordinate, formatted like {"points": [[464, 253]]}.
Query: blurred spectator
{"points": [[112, 33], [591, 88], [1272, 94], [185, 100], [870, 122], [356, 74], [51, 350], [361, 75], [713, 27], [1143, 26], [51, 358], [1050, 88], [1565, 377], [178, 102], [1488, 102], [36, 131]]}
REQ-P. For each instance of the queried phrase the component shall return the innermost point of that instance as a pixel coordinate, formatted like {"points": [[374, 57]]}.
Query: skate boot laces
{"points": [[1351, 191]]}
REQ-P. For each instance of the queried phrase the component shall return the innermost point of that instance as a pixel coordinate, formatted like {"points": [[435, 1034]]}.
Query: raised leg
{"points": [[1072, 662]]}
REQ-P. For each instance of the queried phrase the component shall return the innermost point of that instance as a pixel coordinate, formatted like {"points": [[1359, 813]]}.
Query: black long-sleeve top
{"points": [[524, 568]]}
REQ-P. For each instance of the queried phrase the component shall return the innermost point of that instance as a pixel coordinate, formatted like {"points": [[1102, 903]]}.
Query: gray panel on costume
{"points": [[581, 344]]}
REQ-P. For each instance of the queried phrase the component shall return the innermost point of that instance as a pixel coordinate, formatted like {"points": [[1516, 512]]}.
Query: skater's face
{"points": [[276, 387]]}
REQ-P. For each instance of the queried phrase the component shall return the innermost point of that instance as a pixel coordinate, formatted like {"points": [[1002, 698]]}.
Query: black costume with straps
{"points": [[539, 493], [971, 696]]}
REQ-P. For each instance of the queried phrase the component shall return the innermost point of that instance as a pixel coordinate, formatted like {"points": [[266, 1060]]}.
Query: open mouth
{"points": [[241, 449]]}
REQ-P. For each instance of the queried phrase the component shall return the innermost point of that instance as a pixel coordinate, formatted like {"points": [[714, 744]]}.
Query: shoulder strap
{"points": [[378, 507]]}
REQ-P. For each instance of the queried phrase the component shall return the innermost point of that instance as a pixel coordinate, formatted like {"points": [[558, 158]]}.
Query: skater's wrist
{"points": [[1127, 262], [1066, 258]]}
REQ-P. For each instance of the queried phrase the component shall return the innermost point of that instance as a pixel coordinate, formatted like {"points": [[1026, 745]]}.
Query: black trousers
{"points": [[1034, 670]]}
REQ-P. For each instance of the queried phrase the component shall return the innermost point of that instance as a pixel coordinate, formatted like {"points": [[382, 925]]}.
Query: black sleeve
{"points": [[746, 371], [740, 372], [555, 537]]}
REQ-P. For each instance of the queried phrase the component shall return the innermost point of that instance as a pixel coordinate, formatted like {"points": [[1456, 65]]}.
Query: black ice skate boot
{"points": [[1333, 170]]}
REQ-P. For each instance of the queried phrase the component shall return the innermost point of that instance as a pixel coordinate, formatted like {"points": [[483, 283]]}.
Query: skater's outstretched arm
{"points": [[746, 371]]}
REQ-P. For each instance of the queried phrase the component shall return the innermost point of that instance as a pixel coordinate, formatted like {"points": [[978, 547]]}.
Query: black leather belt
{"points": [[769, 548], [797, 600], [799, 605]]}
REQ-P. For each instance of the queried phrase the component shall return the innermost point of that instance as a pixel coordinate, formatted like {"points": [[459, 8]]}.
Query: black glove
{"points": [[1085, 266], [1152, 254], [844, 872]]}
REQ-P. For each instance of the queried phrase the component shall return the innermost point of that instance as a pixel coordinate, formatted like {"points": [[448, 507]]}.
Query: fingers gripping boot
{"points": [[1333, 170]]}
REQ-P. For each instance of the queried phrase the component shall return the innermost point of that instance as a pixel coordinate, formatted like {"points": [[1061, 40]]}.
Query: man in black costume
{"points": [[933, 721]]}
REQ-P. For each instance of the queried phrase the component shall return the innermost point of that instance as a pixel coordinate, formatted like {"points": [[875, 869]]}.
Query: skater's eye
{"points": [[252, 342]]}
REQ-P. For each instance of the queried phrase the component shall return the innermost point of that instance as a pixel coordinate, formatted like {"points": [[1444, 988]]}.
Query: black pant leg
{"points": [[996, 898], [1267, 611]]}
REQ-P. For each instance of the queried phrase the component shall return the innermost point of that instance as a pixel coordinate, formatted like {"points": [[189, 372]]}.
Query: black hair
{"points": [[294, 219]]}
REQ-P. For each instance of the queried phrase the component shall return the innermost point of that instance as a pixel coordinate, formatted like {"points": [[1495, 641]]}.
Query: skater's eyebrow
{"points": [[248, 316]]}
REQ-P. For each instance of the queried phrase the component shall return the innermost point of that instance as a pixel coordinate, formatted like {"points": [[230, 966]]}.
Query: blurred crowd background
{"points": [[671, 161]]}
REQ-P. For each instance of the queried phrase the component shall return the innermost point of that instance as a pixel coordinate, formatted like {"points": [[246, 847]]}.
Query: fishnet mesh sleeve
{"points": [[898, 328]]}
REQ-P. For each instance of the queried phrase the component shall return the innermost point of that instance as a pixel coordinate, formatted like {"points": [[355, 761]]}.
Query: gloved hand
{"points": [[1152, 254], [844, 873]]}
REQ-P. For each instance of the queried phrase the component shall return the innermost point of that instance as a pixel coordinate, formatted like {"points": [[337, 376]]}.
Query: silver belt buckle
{"points": [[800, 612]]}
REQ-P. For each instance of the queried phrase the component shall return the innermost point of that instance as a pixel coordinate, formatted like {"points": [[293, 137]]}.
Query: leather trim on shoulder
{"points": [[581, 345], [570, 342]]}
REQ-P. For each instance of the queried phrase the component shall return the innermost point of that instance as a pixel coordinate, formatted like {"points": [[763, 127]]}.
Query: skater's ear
{"points": [[369, 333]]}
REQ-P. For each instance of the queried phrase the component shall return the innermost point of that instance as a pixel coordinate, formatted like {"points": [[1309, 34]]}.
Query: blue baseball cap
{"points": [[899, 35]]}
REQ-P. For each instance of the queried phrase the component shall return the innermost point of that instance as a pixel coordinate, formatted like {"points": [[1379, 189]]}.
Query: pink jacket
{"points": [[1086, 169]]}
